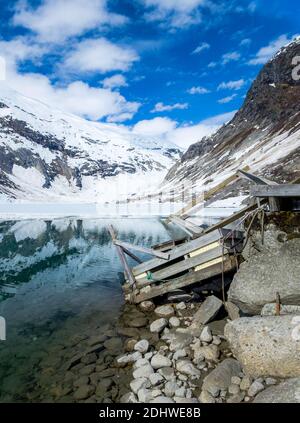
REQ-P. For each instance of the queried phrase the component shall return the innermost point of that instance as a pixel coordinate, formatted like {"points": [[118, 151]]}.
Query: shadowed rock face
{"points": [[271, 107]]}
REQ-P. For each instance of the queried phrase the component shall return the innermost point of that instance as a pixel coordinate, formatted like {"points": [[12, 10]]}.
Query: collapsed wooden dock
{"points": [[204, 253]]}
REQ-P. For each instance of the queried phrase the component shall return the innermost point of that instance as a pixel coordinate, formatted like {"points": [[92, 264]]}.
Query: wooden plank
{"points": [[182, 266], [133, 256], [254, 178], [208, 194], [182, 227], [284, 190], [156, 253], [189, 225], [186, 280], [127, 270], [178, 251]]}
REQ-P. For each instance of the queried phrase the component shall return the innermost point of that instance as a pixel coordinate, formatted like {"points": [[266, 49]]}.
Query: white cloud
{"points": [[212, 65], [160, 107], [20, 49], [232, 85], [230, 57], [77, 97], [200, 48], [245, 42], [198, 90], [226, 100], [114, 81], [267, 52], [56, 20], [99, 55], [174, 13], [168, 130], [158, 126]]}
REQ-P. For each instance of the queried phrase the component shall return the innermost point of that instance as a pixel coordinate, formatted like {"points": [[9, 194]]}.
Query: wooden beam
{"points": [[183, 265], [186, 280], [196, 230], [178, 252], [155, 253], [254, 178], [133, 256], [208, 194], [127, 270], [285, 190]]}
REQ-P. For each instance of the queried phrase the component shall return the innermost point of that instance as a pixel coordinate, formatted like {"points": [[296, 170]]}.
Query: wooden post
{"points": [[123, 260]]}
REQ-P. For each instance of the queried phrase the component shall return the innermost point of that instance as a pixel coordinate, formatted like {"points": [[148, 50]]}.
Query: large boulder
{"points": [[286, 392], [274, 269], [266, 346], [208, 310]]}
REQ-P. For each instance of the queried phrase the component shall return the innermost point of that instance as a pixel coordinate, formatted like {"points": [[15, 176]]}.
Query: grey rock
{"points": [[167, 373], [142, 346], [255, 388], [187, 368], [278, 268], [174, 322], [233, 389], [162, 399], [84, 391], [144, 371], [158, 361], [206, 398], [147, 306], [158, 325], [206, 335], [139, 383], [165, 311], [270, 381], [129, 398], [170, 388], [232, 310], [178, 340], [156, 379], [220, 377], [266, 346], [287, 391], [208, 310]]}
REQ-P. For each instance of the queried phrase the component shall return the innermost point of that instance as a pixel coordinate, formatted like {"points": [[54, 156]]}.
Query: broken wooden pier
{"points": [[204, 253]]}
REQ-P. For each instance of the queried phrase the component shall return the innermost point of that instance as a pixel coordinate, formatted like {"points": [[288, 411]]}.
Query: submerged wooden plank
{"points": [[186, 280], [183, 265], [178, 252], [284, 190], [156, 253]]}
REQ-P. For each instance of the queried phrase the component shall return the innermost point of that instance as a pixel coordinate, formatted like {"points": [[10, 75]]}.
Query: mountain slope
{"points": [[46, 154], [264, 133]]}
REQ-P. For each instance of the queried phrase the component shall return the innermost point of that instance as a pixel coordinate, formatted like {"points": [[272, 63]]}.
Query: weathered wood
{"points": [[254, 178], [133, 256], [183, 265], [194, 229], [204, 196], [186, 280], [178, 252], [155, 253], [284, 190], [127, 270], [182, 227]]}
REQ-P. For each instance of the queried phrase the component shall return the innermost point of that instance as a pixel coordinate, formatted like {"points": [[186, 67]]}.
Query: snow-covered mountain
{"points": [[49, 155], [264, 134]]}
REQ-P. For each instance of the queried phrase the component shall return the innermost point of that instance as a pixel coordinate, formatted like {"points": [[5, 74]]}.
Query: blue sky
{"points": [[175, 67]]}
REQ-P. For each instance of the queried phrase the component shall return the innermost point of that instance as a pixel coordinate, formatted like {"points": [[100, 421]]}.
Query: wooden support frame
{"points": [[254, 178], [278, 191], [150, 251], [186, 280], [189, 227]]}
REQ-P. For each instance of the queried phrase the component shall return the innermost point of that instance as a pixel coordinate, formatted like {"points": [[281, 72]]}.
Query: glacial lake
{"points": [[59, 279]]}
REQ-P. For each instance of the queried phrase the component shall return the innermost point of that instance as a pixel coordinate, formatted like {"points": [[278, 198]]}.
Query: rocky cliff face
{"points": [[264, 133], [48, 154]]}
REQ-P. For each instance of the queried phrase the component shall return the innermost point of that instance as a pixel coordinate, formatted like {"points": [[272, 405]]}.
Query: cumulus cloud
{"points": [[114, 81], [158, 126], [161, 107], [169, 130], [245, 42], [56, 20], [99, 55], [232, 85], [200, 48], [198, 90], [266, 53], [226, 100]]}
